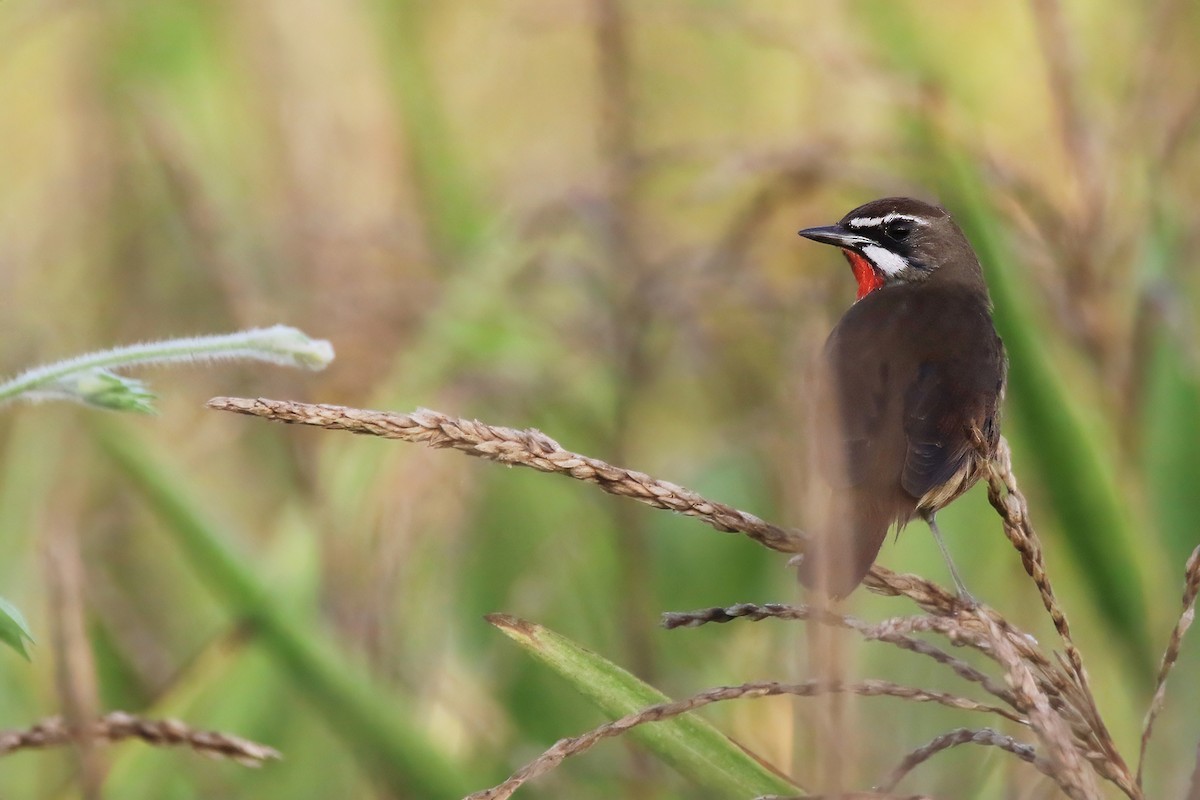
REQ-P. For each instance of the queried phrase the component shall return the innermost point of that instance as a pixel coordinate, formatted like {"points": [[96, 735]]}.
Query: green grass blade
{"points": [[1171, 428], [1073, 462], [450, 204], [14, 630], [378, 728], [692, 746], [1170, 425]]}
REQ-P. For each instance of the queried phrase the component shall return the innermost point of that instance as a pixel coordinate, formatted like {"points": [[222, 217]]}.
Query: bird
{"points": [[909, 386]]}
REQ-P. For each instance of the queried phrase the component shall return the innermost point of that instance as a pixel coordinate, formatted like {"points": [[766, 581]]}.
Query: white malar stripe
{"points": [[885, 260], [875, 222]]}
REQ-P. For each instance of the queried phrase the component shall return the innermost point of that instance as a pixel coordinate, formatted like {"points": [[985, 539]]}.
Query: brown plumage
{"points": [[910, 369]]}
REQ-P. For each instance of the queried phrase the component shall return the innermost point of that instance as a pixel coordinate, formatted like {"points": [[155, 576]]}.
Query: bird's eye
{"points": [[897, 230]]}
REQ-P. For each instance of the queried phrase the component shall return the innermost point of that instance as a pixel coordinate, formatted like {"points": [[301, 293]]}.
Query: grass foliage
{"points": [[577, 217]]}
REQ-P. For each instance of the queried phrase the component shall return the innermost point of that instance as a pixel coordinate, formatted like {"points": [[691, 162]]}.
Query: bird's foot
{"points": [[966, 598]]}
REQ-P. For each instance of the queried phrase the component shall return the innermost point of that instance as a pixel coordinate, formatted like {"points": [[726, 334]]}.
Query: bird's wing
{"points": [[858, 411], [941, 406], [936, 421], [902, 412]]}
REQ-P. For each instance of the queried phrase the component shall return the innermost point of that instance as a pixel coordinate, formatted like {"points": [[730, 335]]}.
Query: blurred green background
{"points": [[578, 216]]}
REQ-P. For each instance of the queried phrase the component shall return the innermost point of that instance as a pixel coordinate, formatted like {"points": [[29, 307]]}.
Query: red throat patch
{"points": [[867, 276]]}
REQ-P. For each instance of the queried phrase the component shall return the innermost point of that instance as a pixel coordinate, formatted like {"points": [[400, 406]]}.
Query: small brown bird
{"points": [[908, 372]]}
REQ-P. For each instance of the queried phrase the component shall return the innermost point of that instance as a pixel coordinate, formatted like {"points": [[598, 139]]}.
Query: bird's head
{"points": [[900, 240]]}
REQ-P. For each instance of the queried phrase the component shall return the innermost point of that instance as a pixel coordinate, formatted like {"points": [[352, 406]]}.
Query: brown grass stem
{"points": [[75, 665], [846, 796], [1191, 587], [1053, 694], [1194, 789], [960, 736], [1059, 49], [534, 449], [752, 612], [1069, 766], [524, 448], [575, 745], [118, 726], [1006, 497]]}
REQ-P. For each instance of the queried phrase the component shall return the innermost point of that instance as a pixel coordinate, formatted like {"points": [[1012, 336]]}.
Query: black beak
{"points": [[837, 236]]}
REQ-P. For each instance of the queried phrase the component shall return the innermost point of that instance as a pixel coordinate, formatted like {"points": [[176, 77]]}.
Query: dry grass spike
{"points": [[1046, 691], [118, 726]]}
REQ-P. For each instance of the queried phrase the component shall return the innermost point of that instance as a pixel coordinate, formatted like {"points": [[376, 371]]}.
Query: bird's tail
{"points": [[837, 559]]}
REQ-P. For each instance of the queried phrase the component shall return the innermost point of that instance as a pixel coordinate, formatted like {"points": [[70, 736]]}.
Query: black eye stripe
{"points": [[885, 232], [897, 230]]}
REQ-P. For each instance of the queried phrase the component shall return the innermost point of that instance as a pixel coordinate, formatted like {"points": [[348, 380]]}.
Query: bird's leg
{"points": [[963, 594]]}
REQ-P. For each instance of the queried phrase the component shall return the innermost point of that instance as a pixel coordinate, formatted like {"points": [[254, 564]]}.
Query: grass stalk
{"points": [[380, 730]]}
